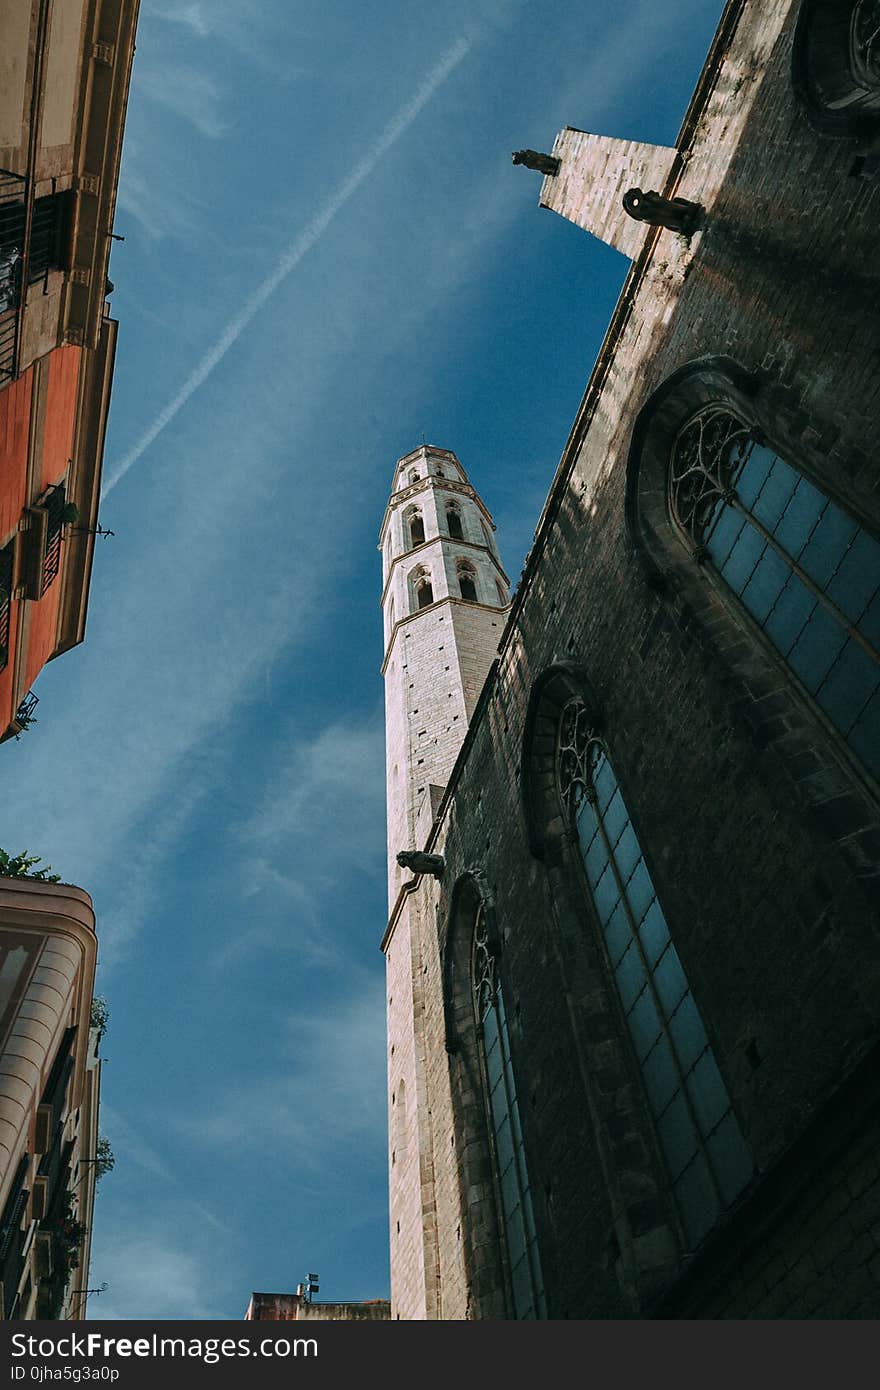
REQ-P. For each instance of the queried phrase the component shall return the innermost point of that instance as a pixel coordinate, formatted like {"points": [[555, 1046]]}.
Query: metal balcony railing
{"points": [[12, 227], [24, 715], [7, 562], [54, 504]]}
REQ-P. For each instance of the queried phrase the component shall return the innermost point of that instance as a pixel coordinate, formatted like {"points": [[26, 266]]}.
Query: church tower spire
{"points": [[444, 599]]}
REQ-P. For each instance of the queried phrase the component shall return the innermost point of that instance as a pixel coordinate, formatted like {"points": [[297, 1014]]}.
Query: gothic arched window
{"points": [[706, 1157], [807, 573], [413, 476], [423, 589], [836, 65], [502, 596], [453, 522], [467, 582], [416, 526], [502, 1109]]}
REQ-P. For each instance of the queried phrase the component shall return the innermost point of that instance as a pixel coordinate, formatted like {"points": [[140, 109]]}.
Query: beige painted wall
{"points": [[15, 25], [62, 72]]}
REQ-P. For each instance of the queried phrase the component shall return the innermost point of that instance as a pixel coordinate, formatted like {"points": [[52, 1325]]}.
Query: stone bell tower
{"points": [[444, 599]]}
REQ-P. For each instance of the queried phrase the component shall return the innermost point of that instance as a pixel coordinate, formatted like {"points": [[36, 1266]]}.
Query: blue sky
{"points": [[328, 254]]}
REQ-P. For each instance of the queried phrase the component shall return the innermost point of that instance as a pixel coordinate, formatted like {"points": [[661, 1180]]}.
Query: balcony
{"points": [[7, 566], [34, 240], [24, 717], [12, 234]]}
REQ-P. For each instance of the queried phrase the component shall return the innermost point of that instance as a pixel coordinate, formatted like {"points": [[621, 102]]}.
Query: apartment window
{"points": [[47, 249], [56, 505]]}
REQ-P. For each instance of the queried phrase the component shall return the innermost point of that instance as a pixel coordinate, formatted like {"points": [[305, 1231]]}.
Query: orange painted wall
{"points": [[61, 396], [15, 423], [43, 620], [7, 708]]}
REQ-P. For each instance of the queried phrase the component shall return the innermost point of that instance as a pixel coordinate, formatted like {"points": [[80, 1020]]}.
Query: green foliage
{"points": [[105, 1159], [22, 866], [69, 1232], [69, 513], [100, 1015]]}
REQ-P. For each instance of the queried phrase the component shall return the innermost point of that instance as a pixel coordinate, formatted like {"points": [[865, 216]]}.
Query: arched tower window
{"points": [[415, 526], [413, 475], [807, 573], [502, 596], [707, 1160], [467, 581], [423, 589], [400, 1120], [453, 521], [836, 65], [502, 1111]]}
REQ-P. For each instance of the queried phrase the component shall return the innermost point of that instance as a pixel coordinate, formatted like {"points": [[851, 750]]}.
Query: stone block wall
{"points": [[767, 877]]}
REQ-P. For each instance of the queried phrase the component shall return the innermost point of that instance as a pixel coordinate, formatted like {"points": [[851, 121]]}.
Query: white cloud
{"points": [[295, 252], [189, 92], [152, 1277], [325, 1102], [130, 1147], [330, 790]]}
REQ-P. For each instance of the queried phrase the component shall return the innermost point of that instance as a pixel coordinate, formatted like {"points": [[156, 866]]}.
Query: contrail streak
{"points": [[292, 256]]}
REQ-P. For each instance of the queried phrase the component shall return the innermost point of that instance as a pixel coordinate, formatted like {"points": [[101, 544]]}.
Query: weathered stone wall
{"points": [[436, 664], [763, 853], [292, 1307]]}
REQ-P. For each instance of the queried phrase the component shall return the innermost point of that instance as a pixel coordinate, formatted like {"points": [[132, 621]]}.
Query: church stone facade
{"points": [[633, 952]]}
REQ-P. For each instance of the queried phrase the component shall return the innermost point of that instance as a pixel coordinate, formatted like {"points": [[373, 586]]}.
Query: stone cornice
{"points": [[432, 540], [429, 608], [427, 484]]}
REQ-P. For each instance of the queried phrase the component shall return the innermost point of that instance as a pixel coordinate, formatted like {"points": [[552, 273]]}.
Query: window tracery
{"points": [[706, 1156], [807, 573], [467, 581], [836, 65], [423, 589], [414, 527], [502, 1108], [453, 522]]}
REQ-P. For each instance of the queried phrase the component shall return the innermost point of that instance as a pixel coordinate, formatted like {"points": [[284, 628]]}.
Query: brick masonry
{"points": [[760, 835]]}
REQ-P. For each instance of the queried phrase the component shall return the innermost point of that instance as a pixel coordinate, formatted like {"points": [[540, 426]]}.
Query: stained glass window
{"points": [[805, 570], [708, 1162], [519, 1223]]}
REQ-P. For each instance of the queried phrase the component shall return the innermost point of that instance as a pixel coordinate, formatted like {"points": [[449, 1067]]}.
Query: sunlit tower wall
{"points": [[444, 601]]}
